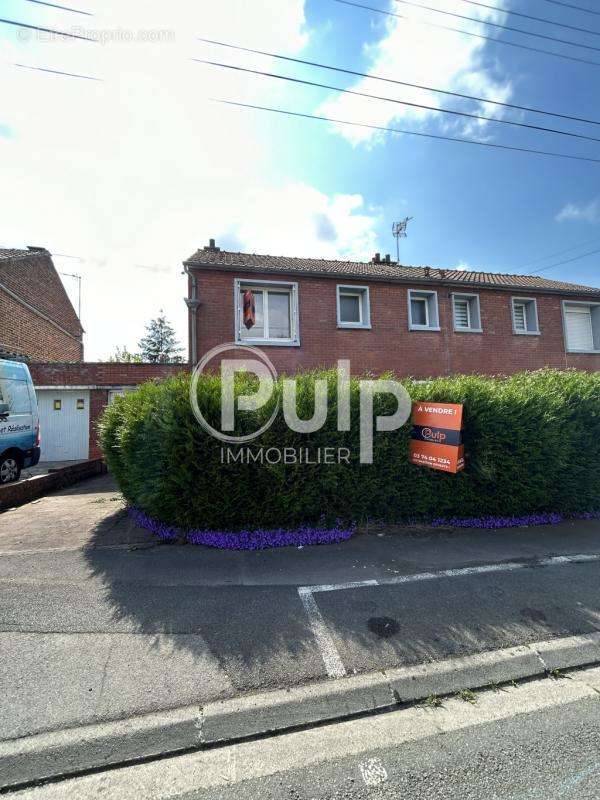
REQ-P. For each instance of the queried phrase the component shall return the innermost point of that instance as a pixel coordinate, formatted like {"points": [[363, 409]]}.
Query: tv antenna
{"points": [[399, 231], [78, 279]]}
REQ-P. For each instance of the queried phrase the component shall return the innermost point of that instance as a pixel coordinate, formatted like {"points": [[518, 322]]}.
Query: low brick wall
{"points": [[16, 494]]}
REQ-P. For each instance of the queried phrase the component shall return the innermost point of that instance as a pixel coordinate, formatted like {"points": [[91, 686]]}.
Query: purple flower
{"points": [[246, 539]]}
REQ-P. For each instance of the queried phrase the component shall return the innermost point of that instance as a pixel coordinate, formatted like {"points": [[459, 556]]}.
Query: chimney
{"points": [[376, 258], [387, 258], [212, 246], [427, 270]]}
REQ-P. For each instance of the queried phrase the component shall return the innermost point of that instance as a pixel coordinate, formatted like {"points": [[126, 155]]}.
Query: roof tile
{"points": [[214, 257]]}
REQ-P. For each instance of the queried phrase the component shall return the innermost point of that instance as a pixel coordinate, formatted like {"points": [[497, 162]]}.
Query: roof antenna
{"points": [[399, 231]]}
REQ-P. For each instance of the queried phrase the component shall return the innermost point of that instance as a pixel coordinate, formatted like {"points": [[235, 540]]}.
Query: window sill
{"points": [[349, 326], [268, 342], [468, 330], [423, 328], [583, 352], [527, 333]]}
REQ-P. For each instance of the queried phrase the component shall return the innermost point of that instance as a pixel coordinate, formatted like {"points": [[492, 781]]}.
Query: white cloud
{"points": [[134, 174], [462, 266], [426, 56], [585, 213]]}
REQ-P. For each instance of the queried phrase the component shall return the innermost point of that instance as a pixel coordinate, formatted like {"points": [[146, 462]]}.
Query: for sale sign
{"points": [[436, 439]]}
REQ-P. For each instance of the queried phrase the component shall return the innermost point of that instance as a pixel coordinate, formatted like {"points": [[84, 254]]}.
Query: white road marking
{"points": [[373, 772], [507, 566], [331, 657]]}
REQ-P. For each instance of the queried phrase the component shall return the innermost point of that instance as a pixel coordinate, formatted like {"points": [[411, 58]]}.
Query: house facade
{"points": [[37, 319], [416, 321]]}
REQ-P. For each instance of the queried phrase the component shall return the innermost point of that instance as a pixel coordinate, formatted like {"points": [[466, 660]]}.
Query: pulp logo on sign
{"points": [[436, 438]]}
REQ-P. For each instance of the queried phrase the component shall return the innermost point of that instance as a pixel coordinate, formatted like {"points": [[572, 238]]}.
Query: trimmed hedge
{"points": [[532, 444]]}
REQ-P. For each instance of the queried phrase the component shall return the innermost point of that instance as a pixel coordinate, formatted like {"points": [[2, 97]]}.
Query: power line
{"points": [[505, 10], [409, 133], [575, 8], [62, 8], [289, 79], [559, 253], [400, 83], [568, 261], [58, 72], [438, 26], [497, 25], [44, 30]]}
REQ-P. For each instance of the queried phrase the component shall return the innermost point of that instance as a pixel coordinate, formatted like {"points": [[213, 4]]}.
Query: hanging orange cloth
{"points": [[249, 310]]}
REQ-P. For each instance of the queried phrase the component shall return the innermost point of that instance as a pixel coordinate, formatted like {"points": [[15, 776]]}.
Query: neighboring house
{"points": [[37, 319], [416, 321]]}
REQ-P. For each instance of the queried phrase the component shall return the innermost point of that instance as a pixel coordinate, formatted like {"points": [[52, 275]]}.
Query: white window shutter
{"points": [[461, 313], [580, 334], [520, 317]]}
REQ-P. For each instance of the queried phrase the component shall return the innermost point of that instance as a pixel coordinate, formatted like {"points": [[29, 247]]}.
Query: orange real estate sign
{"points": [[436, 439]]}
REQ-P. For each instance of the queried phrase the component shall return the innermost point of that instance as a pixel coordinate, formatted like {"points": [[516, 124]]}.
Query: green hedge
{"points": [[532, 444]]}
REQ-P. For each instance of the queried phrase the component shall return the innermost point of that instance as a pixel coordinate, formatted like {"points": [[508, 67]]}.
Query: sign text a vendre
{"points": [[436, 438]]}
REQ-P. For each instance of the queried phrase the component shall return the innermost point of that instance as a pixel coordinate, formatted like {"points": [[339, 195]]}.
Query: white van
{"points": [[19, 421]]}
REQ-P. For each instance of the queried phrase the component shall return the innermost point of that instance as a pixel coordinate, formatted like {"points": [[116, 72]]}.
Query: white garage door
{"points": [[64, 424]]}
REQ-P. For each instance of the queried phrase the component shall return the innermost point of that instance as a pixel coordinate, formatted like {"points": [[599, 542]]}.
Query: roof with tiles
{"points": [[216, 258], [11, 253]]}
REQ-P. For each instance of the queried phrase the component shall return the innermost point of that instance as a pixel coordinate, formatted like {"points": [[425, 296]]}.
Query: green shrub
{"points": [[532, 444]]}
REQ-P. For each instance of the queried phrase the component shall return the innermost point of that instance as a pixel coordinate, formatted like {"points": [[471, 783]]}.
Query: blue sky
{"points": [[132, 174]]}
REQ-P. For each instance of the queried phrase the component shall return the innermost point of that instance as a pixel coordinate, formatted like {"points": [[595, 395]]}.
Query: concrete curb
{"points": [[60, 753]]}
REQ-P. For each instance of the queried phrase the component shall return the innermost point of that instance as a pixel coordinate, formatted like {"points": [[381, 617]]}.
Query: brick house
{"points": [[37, 319], [416, 321]]}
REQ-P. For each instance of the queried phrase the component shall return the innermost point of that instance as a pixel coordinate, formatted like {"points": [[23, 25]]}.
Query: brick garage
{"points": [[99, 379], [389, 344], [37, 319]]}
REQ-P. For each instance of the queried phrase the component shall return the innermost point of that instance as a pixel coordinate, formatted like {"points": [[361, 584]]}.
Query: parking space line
{"points": [[332, 659]]}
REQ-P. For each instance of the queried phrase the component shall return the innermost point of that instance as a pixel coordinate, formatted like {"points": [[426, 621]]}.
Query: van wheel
{"points": [[10, 469]]}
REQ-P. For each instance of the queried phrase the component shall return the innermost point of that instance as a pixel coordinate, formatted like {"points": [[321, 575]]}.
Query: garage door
{"points": [[64, 424]]}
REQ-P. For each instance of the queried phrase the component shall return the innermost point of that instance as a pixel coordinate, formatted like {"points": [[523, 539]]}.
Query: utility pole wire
{"points": [[289, 79], [575, 8], [400, 83], [441, 27], [44, 30], [568, 261], [62, 8], [385, 129], [505, 10], [560, 252], [58, 72], [413, 4]]}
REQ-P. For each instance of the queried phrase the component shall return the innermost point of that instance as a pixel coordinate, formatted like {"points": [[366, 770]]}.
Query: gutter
{"points": [[192, 303], [505, 287]]}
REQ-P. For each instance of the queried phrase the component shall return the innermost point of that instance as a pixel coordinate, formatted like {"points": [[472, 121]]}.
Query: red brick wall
{"points": [[102, 376], [389, 345], [24, 332], [35, 281]]}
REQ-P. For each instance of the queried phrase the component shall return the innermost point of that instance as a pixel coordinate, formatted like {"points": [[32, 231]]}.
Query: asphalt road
{"points": [[97, 623], [536, 741]]}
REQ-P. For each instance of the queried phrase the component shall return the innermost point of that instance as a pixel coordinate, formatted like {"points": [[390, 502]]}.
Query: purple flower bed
{"points": [[246, 540], [511, 522]]}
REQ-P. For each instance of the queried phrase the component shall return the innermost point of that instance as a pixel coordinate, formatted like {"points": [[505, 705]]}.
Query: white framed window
{"points": [[582, 327], [276, 312], [423, 311], [525, 316], [353, 307], [466, 313]]}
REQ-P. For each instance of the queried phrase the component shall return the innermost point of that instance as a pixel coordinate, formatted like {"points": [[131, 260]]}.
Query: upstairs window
{"points": [[467, 315], [524, 315], [423, 311], [275, 313], [582, 327], [353, 307]]}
